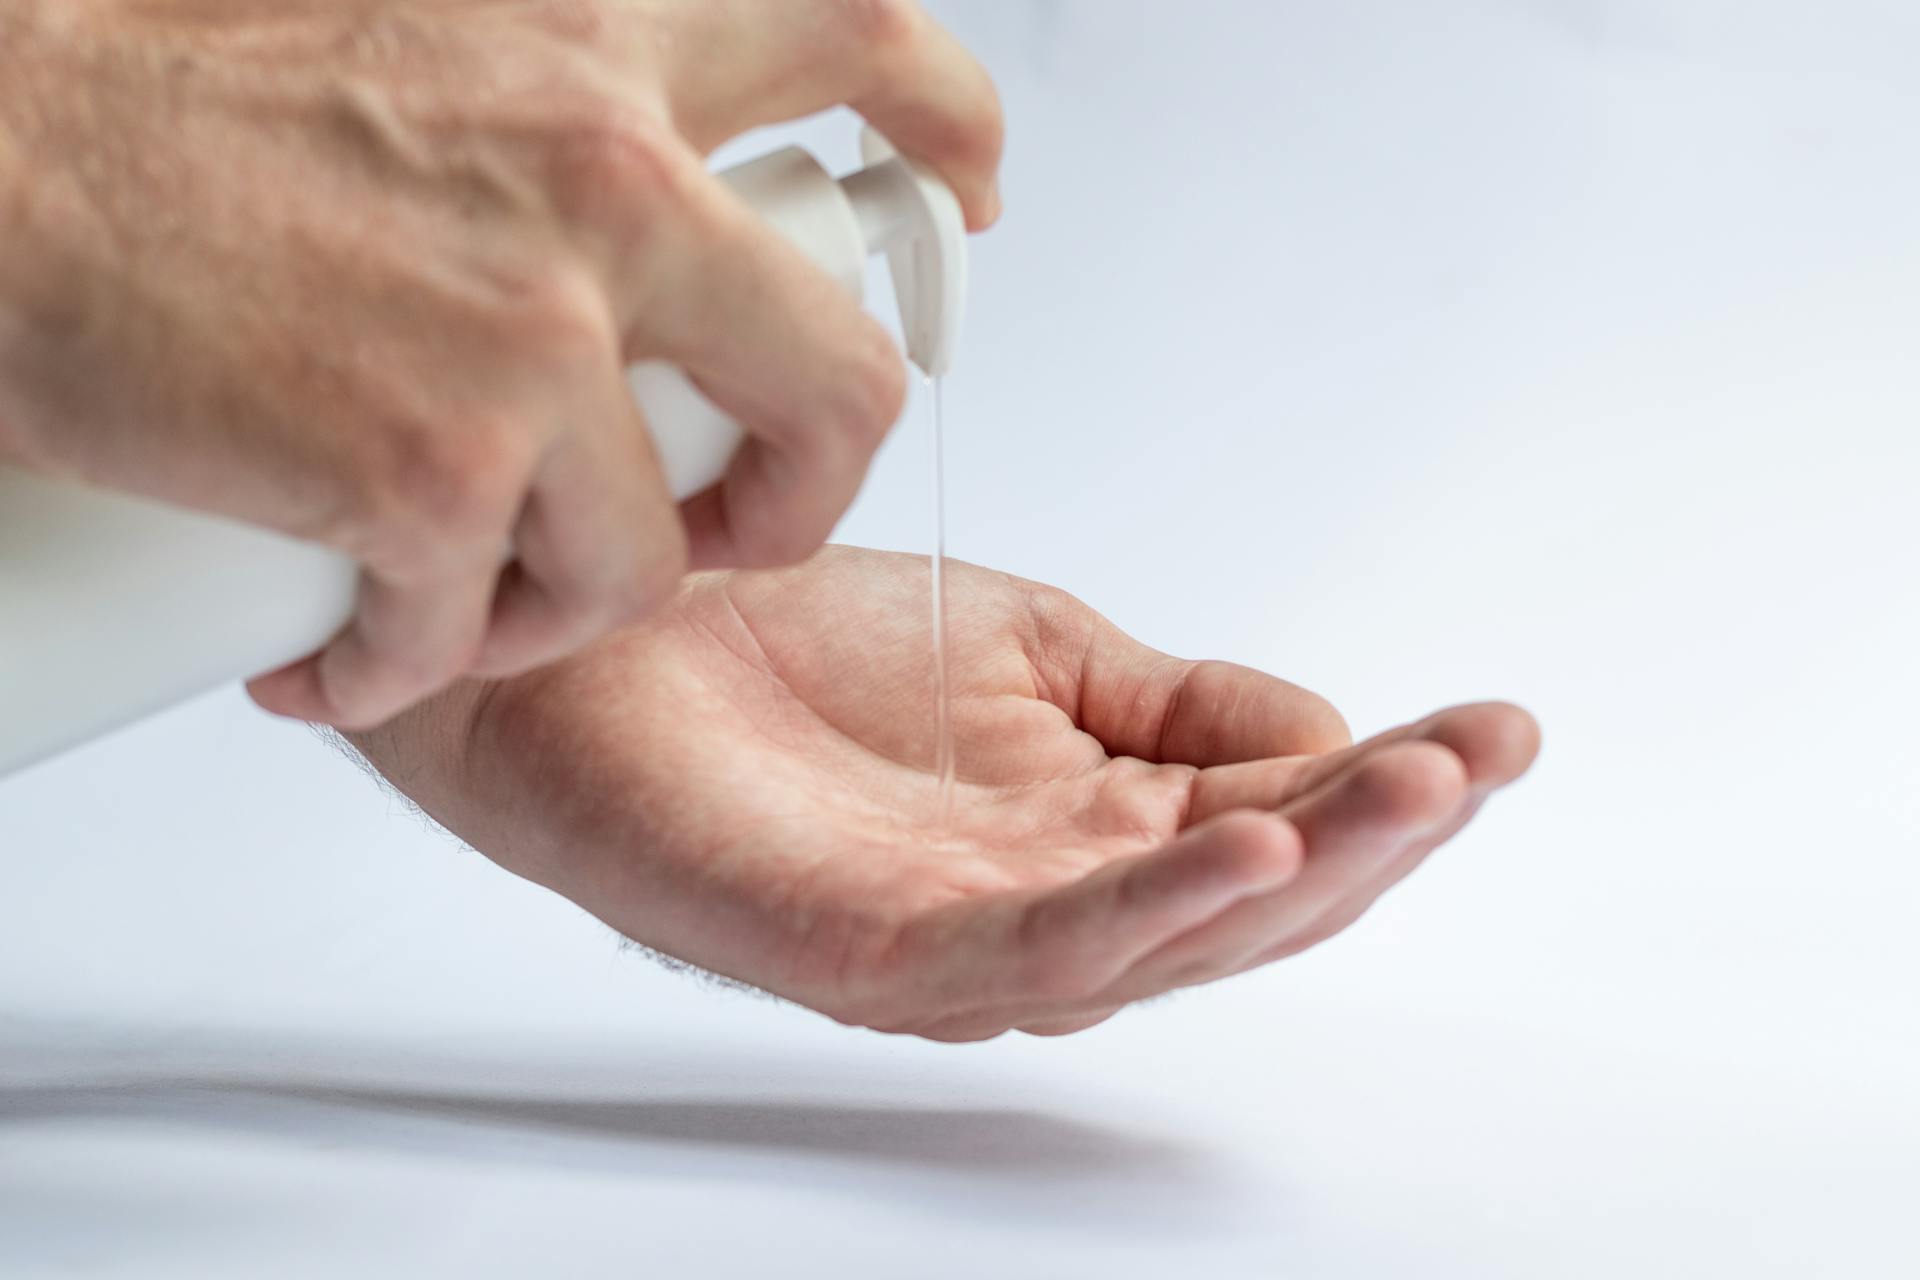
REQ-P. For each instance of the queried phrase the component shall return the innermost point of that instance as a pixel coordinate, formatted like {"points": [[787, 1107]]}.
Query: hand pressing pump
{"points": [[113, 607]]}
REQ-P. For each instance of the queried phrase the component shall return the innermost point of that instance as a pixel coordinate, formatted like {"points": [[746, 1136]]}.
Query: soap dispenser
{"points": [[113, 607]]}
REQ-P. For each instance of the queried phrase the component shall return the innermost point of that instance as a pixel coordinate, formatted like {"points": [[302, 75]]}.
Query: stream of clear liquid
{"points": [[942, 687]]}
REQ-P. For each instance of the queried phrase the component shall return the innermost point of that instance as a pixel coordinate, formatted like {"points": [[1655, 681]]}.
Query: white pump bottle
{"points": [[113, 607]]}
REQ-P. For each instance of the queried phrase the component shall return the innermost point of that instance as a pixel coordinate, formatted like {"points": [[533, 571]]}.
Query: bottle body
{"points": [[113, 607]]}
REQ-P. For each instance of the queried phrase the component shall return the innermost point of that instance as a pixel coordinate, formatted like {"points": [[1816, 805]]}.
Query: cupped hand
{"points": [[371, 274], [745, 783]]}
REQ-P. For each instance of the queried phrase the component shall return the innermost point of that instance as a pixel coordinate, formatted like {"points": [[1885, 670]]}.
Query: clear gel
{"points": [[942, 686]]}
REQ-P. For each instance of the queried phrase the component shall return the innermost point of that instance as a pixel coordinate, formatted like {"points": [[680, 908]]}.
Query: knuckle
{"points": [[558, 319], [457, 479], [610, 156]]}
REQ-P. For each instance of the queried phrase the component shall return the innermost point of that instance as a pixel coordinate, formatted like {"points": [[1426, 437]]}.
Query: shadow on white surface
{"points": [[135, 1149], [377, 1095], [591, 1131]]}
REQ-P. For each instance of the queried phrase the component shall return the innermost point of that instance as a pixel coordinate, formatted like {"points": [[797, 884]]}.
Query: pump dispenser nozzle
{"points": [[894, 206], [913, 217]]}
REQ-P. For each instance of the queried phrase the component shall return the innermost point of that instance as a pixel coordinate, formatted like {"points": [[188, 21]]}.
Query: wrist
{"points": [[438, 729]]}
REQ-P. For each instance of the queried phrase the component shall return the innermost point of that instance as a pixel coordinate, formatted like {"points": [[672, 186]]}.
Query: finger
{"points": [[598, 544], [885, 58], [933, 101], [1139, 702], [1047, 953], [780, 347], [406, 640], [1357, 903], [1496, 741], [1354, 827], [771, 339], [1342, 912]]}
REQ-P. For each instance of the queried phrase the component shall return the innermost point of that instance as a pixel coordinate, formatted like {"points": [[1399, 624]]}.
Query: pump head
{"points": [[894, 205], [913, 217]]}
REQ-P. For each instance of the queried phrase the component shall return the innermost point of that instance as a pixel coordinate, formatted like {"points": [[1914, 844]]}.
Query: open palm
{"points": [[747, 783]]}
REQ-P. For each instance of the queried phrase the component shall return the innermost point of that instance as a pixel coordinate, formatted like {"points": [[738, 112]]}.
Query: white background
{"points": [[1558, 350]]}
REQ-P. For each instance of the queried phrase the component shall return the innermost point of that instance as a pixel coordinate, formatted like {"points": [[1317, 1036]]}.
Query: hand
{"points": [[744, 783], [370, 274]]}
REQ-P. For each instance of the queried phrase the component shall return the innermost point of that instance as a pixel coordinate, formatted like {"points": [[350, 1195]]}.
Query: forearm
{"points": [[433, 754], [430, 732]]}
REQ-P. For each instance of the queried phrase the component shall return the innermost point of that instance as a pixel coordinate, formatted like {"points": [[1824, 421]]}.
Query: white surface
{"points": [[1558, 351]]}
